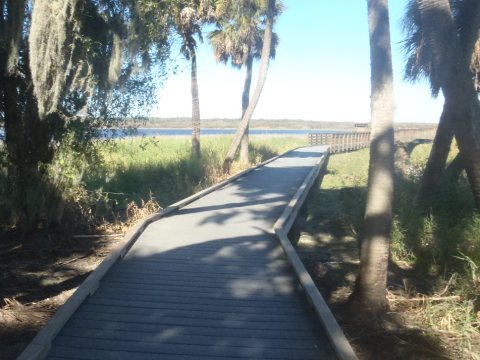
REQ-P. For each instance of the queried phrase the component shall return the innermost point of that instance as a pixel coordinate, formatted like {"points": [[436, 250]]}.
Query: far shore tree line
{"points": [[69, 68]]}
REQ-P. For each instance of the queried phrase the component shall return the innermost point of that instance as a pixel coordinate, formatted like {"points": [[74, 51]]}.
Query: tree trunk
{"points": [[453, 171], [432, 176], [370, 293], [467, 143], [9, 83], [28, 140], [265, 61], [457, 86], [245, 100], [195, 107]]}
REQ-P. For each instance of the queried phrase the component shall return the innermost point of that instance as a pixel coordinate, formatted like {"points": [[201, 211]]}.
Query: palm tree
{"points": [[188, 18], [451, 29], [273, 9], [239, 39], [420, 63], [369, 293]]}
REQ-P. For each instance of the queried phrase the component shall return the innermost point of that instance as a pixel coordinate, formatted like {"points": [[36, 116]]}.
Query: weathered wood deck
{"points": [[209, 281]]}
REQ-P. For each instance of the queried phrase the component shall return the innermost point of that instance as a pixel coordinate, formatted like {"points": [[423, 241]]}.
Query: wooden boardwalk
{"points": [[208, 281]]}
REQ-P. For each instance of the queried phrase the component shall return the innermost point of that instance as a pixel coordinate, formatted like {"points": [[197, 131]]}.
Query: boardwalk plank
{"points": [[159, 329], [222, 307], [214, 301], [186, 349], [206, 340], [258, 317], [280, 285], [140, 293], [225, 322]]}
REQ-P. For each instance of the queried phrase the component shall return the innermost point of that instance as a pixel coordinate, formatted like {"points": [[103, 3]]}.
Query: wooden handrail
{"points": [[354, 140]]}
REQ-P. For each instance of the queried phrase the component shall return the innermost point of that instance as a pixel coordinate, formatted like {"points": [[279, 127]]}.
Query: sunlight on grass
{"points": [[163, 168], [439, 244]]}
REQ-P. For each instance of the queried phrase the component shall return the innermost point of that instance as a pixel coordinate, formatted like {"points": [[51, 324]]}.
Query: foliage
{"points": [[439, 250], [90, 183], [239, 33], [420, 53], [186, 18], [64, 66], [271, 11], [164, 169]]}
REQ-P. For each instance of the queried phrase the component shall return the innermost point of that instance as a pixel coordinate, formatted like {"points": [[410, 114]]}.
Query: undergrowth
{"points": [[437, 251], [120, 181]]}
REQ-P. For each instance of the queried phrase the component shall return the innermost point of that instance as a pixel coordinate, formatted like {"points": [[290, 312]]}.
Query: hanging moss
{"points": [[475, 66], [72, 47], [49, 55], [13, 34], [115, 67]]}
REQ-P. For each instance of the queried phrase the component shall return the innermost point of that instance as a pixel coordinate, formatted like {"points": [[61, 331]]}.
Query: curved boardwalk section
{"points": [[206, 282]]}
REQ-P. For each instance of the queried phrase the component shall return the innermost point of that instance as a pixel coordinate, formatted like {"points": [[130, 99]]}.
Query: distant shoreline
{"points": [[185, 123], [168, 132]]}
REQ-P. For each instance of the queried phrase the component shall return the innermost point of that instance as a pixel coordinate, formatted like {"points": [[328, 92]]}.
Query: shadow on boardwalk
{"points": [[226, 297]]}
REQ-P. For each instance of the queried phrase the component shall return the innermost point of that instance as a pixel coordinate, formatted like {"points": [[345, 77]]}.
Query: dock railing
{"points": [[351, 141]]}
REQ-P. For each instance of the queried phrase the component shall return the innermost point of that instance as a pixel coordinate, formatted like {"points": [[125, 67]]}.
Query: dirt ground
{"points": [[37, 275]]}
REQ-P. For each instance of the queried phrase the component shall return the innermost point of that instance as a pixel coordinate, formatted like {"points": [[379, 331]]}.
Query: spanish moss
{"points": [[49, 55]]}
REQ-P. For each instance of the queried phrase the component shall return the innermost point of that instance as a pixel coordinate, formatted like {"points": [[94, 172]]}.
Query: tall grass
{"points": [[110, 179], [142, 172], [163, 168]]}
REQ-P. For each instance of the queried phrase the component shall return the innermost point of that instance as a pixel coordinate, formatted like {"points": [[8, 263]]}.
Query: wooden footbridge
{"points": [[211, 277]]}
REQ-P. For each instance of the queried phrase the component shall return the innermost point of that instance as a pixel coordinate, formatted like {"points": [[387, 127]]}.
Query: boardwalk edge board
{"points": [[281, 227], [41, 343]]}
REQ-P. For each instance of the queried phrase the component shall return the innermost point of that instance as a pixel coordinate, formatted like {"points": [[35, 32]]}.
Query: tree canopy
{"points": [[421, 53], [69, 65]]}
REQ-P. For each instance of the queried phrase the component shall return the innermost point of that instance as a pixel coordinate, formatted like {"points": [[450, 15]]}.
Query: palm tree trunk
{"points": [[195, 107], [432, 175], [369, 293], [245, 100], [453, 171], [458, 88], [465, 134], [265, 61]]}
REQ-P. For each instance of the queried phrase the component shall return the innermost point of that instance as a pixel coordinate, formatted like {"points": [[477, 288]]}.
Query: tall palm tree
{"points": [[420, 63], [239, 39], [451, 29], [271, 11], [370, 286], [188, 18]]}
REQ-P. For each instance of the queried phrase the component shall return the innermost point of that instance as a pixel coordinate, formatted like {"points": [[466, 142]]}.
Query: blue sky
{"points": [[321, 71]]}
